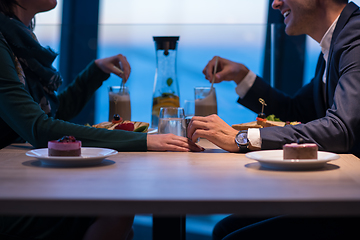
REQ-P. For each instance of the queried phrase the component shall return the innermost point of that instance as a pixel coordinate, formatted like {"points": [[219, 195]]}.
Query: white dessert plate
{"points": [[89, 156], [274, 159]]}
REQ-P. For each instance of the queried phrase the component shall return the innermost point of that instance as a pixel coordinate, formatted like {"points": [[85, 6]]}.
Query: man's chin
{"points": [[291, 32]]}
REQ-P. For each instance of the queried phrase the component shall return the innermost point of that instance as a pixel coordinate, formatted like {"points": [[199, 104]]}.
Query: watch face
{"points": [[242, 138]]}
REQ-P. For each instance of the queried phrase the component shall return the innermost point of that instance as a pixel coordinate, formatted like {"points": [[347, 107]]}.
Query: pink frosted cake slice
{"points": [[66, 146], [300, 151]]}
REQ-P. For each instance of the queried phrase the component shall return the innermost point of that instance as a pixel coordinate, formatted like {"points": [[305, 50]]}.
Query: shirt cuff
{"points": [[243, 87], [254, 137]]}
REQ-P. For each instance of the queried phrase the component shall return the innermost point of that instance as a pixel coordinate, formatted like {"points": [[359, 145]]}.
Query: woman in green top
{"points": [[31, 110]]}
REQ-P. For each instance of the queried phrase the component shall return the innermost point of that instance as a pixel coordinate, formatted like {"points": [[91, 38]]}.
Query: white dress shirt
{"points": [[243, 87]]}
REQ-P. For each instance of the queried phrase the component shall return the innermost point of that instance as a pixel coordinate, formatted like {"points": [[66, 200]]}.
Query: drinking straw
{"points": [[215, 69], [123, 78], [121, 71]]}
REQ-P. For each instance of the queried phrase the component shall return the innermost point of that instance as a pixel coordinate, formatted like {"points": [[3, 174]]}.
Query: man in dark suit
{"points": [[328, 108]]}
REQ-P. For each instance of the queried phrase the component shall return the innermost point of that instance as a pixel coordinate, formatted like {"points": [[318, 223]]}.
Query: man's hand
{"points": [[214, 129], [226, 71], [171, 142], [116, 64]]}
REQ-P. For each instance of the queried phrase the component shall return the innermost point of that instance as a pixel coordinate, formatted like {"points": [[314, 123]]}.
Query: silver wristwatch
{"points": [[242, 141]]}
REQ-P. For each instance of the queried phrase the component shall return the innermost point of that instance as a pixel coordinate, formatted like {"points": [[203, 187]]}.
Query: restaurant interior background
{"points": [[233, 29]]}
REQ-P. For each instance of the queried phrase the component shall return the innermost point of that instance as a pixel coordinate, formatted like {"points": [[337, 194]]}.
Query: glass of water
{"points": [[172, 120]]}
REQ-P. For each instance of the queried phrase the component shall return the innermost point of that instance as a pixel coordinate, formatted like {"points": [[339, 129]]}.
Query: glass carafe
{"points": [[166, 87]]}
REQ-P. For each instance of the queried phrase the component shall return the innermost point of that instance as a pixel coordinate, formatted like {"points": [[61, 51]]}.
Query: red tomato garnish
{"points": [[125, 126], [261, 119]]}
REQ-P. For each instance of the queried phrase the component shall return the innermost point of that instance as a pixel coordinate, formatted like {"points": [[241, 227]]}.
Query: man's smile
{"points": [[286, 13]]}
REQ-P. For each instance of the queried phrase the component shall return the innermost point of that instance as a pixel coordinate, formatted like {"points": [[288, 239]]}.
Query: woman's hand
{"points": [[115, 64], [226, 71], [214, 129], [171, 142]]}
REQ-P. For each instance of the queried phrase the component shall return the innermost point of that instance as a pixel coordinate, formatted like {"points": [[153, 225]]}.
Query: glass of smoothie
{"points": [[205, 101], [119, 102]]}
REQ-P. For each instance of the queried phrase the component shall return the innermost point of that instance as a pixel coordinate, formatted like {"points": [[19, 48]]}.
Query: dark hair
{"points": [[7, 8]]}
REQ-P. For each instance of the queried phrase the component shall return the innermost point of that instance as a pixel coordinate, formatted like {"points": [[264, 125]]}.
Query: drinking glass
{"points": [[119, 102], [205, 101], [172, 120], [189, 108]]}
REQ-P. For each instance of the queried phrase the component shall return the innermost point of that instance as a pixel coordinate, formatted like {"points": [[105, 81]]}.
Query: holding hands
{"points": [[114, 64], [171, 142], [226, 71], [214, 129]]}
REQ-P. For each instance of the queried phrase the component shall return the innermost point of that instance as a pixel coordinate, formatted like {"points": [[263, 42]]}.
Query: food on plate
{"points": [[270, 121], [65, 146], [272, 117], [262, 115], [119, 124], [263, 121], [125, 126], [262, 124], [116, 118], [246, 126], [300, 151]]}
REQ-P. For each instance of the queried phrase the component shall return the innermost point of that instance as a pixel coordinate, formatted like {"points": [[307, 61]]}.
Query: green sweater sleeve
{"points": [[19, 112], [79, 92]]}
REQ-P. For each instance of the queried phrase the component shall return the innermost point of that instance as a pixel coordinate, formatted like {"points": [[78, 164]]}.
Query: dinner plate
{"points": [[274, 159], [89, 156]]}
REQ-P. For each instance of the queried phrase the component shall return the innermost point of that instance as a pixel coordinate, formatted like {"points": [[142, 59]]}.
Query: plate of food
{"points": [[118, 123], [269, 121], [67, 152], [88, 157], [263, 121]]}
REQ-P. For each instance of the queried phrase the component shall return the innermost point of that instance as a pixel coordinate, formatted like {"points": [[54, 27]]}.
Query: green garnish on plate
{"points": [[273, 118], [141, 129]]}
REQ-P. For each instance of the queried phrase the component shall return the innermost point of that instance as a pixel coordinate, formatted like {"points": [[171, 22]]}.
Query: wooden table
{"points": [[174, 184]]}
